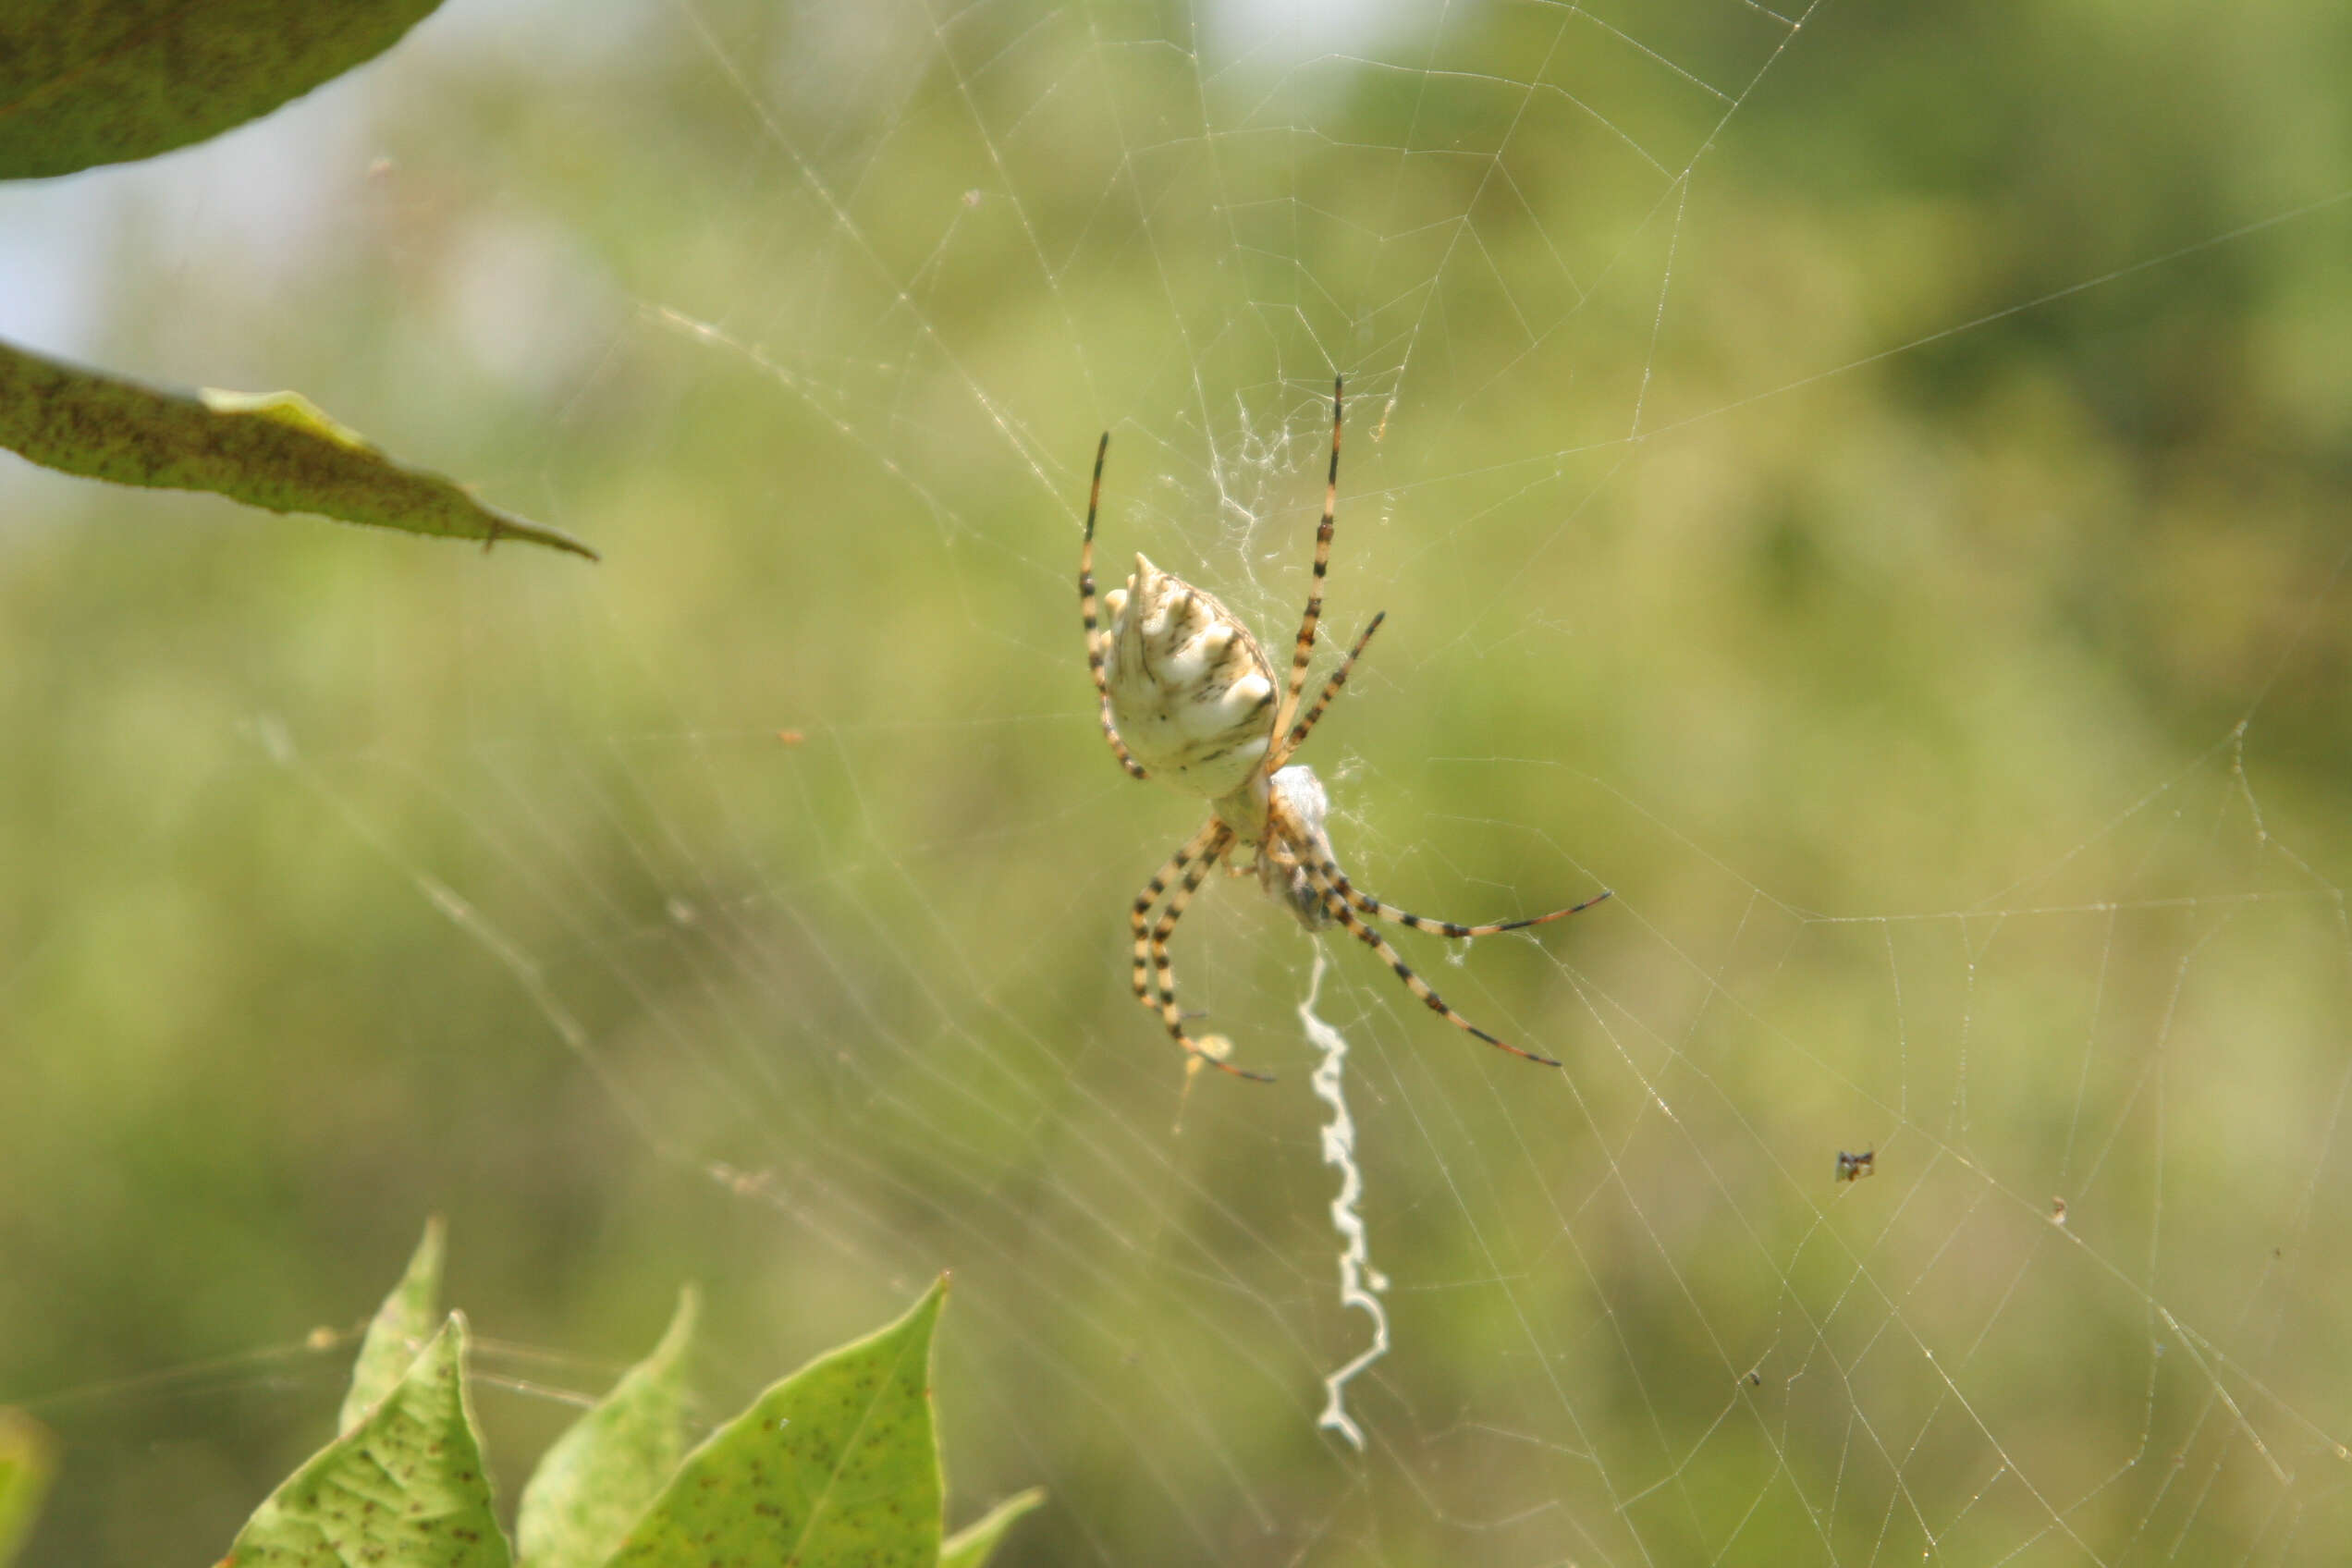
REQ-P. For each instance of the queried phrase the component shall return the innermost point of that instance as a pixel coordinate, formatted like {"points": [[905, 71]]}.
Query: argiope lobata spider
{"points": [[1188, 697]]}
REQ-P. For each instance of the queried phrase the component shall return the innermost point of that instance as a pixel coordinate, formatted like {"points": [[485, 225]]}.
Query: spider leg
{"points": [[1086, 609], [1155, 976], [1193, 855], [1346, 915], [1371, 905], [1211, 1050], [1305, 651], [1305, 726]]}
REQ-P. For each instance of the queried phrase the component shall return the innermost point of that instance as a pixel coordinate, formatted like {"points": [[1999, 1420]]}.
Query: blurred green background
{"points": [[1873, 494]]}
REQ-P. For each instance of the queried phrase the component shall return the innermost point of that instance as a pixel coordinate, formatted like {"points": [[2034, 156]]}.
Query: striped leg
{"points": [[1304, 652], [1139, 913], [1305, 726], [1155, 977], [1086, 609], [1346, 915], [1370, 905]]}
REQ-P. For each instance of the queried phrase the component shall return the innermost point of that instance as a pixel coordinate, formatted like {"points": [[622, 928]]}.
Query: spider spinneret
{"points": [[1188, 697]]}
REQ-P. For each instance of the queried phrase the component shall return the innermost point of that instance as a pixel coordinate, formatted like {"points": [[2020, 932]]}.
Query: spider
{"points": [[1188, 698]]}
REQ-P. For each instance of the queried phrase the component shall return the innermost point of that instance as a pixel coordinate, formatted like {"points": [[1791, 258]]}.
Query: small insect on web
{"points": [[1188, 698]]}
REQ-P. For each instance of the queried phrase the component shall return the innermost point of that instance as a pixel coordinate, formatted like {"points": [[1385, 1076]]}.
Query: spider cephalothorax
{"points": [[1189, 698]]}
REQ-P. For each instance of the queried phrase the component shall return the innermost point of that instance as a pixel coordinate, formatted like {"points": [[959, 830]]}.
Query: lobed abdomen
{"points": [[1190, 688]]}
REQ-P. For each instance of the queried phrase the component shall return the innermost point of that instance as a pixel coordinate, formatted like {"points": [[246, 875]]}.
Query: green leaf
{"points": [[599, 1476], [405, 1488], [970, 1547], [27, 1461], [273, 450], [85, 83], [835, 1464], [398, 1329]]}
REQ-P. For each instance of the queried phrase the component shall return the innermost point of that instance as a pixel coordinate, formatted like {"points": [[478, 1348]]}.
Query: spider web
{"points": [[1868, 491]]}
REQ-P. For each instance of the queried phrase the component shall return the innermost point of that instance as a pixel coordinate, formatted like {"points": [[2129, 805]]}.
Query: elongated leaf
{"points": [[404, 1489], [599, 1476], [83, 84], [27, 1460], [834, 1465], [398, 1329], [272, 449], [971, 1546]]}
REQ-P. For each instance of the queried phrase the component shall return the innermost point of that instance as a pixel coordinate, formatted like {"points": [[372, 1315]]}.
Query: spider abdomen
{"points": [[1189, 687]]}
